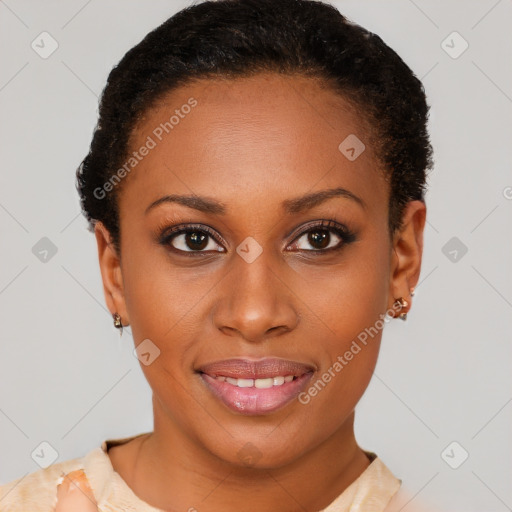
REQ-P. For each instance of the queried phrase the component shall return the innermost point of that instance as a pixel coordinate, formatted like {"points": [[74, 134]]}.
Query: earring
{"points": [[117, 323], [401, 303]]}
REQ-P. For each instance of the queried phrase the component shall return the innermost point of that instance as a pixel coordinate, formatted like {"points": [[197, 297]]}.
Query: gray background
{"points": [[442, 377]]}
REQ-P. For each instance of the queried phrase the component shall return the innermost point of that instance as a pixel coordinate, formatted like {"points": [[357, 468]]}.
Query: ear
{"points": [[407, 254], [110, 266]]}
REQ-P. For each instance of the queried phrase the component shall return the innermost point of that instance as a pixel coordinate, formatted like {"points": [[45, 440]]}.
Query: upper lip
{"points": [[241, 368]]}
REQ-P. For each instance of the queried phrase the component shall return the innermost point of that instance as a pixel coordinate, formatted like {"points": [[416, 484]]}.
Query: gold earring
{"points": [[117, 323], [401, 303], [404, 303]]}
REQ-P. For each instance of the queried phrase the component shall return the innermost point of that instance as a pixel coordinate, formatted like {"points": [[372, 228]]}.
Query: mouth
{"points": [[255, 387]]}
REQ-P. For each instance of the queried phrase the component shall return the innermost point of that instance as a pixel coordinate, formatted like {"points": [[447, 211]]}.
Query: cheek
{"points": [[166, 305], [162, 313], [350, 303], [160, 297], [350, 297], [334, 393]]}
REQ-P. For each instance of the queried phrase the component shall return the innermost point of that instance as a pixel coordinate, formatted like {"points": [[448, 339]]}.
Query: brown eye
{"points": [[192, 240], [319, 238], [195, 240], [323, 238]]}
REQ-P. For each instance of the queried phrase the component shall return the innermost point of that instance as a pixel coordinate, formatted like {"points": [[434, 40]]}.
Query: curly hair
{"points": [[239, 38]]}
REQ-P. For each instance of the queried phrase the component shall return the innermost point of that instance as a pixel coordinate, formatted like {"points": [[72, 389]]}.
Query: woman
{"points": [[256, 189]]}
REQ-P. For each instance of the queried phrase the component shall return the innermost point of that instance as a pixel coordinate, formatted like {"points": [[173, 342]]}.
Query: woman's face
{"points": [[258, 163]]}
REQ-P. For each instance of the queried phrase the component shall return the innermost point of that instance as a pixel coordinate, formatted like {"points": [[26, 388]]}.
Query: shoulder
{"points": [[414, 504], [36, 491]]}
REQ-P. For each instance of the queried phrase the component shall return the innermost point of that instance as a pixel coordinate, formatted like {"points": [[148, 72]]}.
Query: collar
{"points": [[370, 492]]}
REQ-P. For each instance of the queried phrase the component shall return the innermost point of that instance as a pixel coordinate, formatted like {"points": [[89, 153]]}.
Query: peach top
{"points": [[375, 490]]}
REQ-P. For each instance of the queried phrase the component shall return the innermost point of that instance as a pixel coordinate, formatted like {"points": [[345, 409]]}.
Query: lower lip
{"points": [[254, 400]]}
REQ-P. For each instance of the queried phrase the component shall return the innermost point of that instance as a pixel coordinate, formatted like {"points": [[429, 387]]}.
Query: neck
{"points": [[174, 472]]}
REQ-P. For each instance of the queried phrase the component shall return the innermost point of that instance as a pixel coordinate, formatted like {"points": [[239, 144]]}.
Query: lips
{"points": [[256, 369], [255, 387]]}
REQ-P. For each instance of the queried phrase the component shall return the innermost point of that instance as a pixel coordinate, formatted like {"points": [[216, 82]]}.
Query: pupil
{"points": [[199, 240], [320, 237]]}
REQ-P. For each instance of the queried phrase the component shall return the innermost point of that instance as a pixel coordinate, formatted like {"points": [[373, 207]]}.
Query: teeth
{"points": [[257, 383], [245, 383], [264, 383]]}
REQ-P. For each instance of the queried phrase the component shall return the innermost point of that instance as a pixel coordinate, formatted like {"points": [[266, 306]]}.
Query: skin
{"points": [[252, 143], [74, 494]]}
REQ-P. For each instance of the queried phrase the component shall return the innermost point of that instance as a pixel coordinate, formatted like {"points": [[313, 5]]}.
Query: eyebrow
{"points": [[295, 205], [309, 201], [203, 204]]}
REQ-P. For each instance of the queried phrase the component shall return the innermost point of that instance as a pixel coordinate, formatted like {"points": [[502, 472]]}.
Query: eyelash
{"points": [[346, 235]]}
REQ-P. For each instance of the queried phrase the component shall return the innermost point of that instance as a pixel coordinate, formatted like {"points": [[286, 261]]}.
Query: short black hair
{"points": [[237, 38]]}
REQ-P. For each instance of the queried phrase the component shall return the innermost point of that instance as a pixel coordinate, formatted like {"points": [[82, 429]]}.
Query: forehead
{"points": [[252, 137]]}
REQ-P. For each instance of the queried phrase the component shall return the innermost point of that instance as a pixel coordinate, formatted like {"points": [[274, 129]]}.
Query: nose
{"points": [[255, 302]]}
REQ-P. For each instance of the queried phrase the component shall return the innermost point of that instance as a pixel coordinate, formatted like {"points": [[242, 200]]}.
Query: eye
{"points": [[323, 237], [192, 239]]}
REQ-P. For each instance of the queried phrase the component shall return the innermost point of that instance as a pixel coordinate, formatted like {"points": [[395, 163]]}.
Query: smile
{"points": [[257, 383], [256, 387]]}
